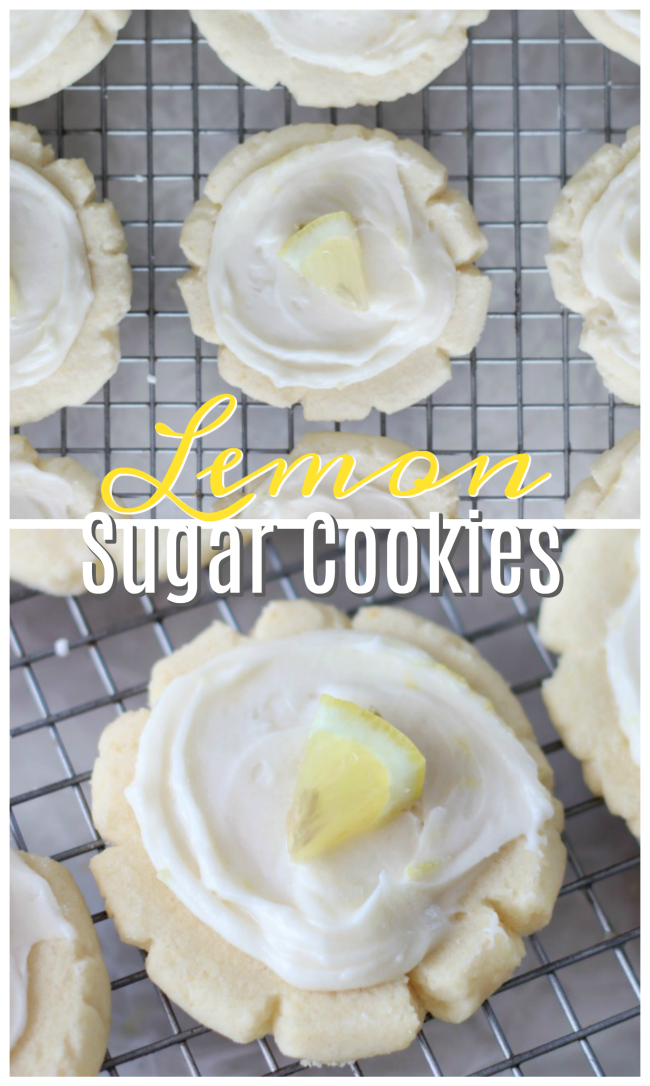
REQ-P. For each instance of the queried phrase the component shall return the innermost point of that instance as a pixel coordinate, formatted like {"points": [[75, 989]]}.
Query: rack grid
{"points": [[532, 97], [571, 1008]]}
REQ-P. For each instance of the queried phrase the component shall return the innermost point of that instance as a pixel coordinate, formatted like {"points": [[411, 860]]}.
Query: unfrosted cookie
{"points": [[50, 50], [425, 913], [339, 58], [373, 501], [379, 210], [613, 487], [60, 997], [70, 281], [593, 695], [618, 29], [594, 260], [60, 488]]}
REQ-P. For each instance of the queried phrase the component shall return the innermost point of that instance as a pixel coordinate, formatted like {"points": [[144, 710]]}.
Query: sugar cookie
{"points": [[374, 500], [50, 50], [60, 995], [339, 58], [51, 559], [618, 29], [593, 695], [271, 946], [335, 268], [613, 487], [65, 312], [594, 260]]}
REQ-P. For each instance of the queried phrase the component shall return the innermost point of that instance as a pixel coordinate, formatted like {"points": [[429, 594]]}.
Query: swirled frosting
{"points": [[216, 769], [629, 20], [280, 323], [34, 35], [35, 915], [37, 494], [369, 42], [611, 270], [623, 651], [50, 271]]}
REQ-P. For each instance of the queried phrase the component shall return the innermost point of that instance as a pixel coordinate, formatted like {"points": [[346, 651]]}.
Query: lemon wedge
{"points": [[327, 251], [358, 771], [13, 296]]}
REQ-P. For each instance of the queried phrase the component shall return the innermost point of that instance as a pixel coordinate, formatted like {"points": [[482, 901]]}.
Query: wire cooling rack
{"points": [[532, 97], [571, 1008]]}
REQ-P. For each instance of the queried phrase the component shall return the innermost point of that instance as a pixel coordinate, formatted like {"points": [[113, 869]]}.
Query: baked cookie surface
{"points": [[593, 695], [60, 990], [594, 262], [408, 242], [64, 313], [373, 500], [339, 996], [613, 486], [339, 58], [50, 50], [619, 30]]}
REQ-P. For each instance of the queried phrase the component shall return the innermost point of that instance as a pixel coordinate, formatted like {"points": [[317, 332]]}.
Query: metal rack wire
{"points": [[571, 1008], [530, 99]]}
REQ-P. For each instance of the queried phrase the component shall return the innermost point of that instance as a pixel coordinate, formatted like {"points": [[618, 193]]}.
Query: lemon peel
{"points": [[358, 772], [327, 251]]}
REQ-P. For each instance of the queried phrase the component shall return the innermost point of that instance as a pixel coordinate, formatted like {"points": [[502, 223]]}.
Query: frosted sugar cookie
{"points": [[613, 487], [50, 50], [594, 260], [618, 29], [593, 695], [70, 281], [335, 268], [341, 953], [60, 488], [373, 501], [60, 994], [339, 58]]}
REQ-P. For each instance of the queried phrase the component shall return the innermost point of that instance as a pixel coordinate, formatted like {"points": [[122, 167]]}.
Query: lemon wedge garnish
{"points": [[13, 296], [358, 771], [327, 251]]}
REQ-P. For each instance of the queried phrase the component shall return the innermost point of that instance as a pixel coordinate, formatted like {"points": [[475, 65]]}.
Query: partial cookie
{"points": [[618, 29], [613, 487], [336, 270], [271, 946], [60, 990], [60, 488], [70, 281], [339, 58], [373, 501], [593, 695], [594, 262], [50, 50]]}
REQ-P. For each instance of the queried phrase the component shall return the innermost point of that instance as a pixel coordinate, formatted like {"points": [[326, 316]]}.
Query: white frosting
{"points": [[623, 651], [35, 915], [37, 494], [280, 323], [623, 499], [51, 274], [216, 769], [611, 269], [369, 42], [371, 501], [34, 35], [629, 20]]}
